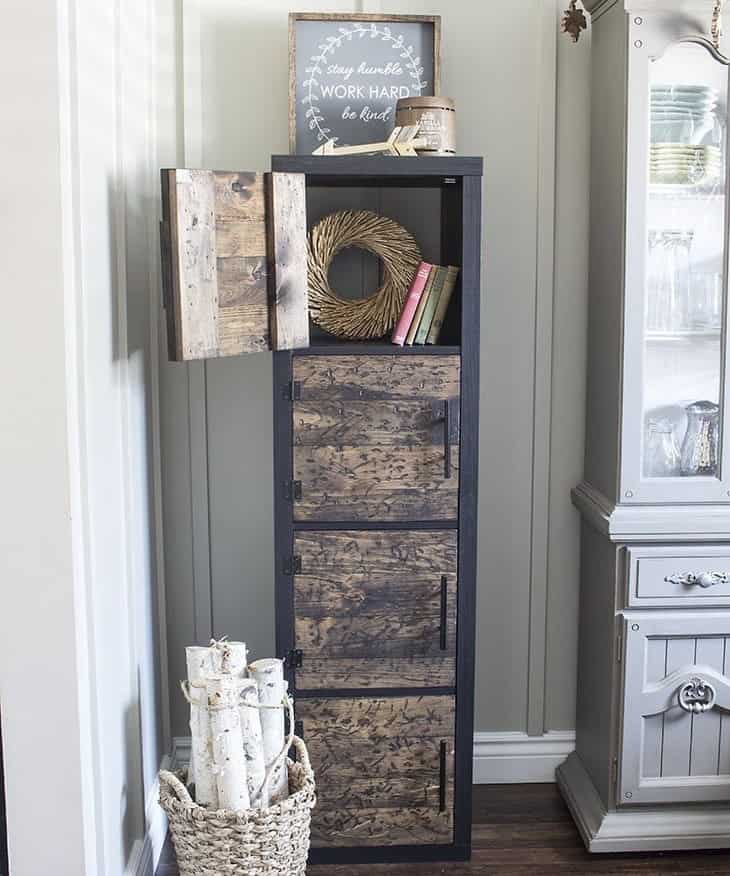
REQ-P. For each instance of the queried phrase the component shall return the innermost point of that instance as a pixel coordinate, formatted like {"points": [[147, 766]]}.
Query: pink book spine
{"points": [[418, 284]]}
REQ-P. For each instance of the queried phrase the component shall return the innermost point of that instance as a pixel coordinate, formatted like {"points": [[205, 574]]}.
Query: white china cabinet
{"points": [[652, 763]]}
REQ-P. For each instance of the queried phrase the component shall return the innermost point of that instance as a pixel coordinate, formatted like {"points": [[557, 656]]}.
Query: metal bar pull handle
{"points": [[442, 777], [443, 628], [447, 438]]}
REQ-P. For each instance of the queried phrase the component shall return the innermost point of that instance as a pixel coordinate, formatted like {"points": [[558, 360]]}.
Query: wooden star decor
{"points": [[574, 21]]}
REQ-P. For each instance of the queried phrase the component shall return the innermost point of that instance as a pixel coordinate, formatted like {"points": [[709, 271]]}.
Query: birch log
{"points": [[253, 746], [232, 658], [269, 677], [200, 667], [229, 760]]}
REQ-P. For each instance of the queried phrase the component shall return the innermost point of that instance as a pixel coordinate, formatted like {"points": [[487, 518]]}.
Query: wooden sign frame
{"points": [[369, 18]]}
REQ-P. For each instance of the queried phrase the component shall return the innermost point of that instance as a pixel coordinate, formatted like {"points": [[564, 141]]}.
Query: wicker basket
{"points": [[257, 842]]}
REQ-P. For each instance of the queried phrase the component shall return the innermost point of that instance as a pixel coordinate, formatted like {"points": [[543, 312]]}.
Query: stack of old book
{"points": [[425, 306]]}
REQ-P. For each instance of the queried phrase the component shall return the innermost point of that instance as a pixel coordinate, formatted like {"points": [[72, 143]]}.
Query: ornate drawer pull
{"points": [[704, 579], [697, 696]]}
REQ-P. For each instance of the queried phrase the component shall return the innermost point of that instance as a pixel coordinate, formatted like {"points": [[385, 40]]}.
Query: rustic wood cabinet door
{"points": [[384, 767], [375, 609], [376, 437], [234, 262]]}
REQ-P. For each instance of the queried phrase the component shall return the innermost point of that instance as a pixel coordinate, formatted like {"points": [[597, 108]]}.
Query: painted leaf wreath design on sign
{"points": [[314, 115]]}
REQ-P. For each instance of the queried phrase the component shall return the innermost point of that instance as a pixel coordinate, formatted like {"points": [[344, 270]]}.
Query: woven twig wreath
{"points": [[376, 315]]}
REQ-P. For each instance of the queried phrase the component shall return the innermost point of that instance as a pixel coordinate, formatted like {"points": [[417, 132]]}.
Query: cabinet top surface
{"points": [[652, 5], [379, 165]]}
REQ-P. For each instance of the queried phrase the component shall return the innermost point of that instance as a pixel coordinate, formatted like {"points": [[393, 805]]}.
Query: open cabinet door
{"points": [[234, 262]]}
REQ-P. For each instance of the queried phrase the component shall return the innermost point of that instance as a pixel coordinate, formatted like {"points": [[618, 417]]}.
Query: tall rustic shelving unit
{"points": [[376, 504], [375, 456]]}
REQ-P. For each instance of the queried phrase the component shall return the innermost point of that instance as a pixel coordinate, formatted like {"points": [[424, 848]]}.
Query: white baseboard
{"points": [[180, 755], [146, 853], [505, 758]]}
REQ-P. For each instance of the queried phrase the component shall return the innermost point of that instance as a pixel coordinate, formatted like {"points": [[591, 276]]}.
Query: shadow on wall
{"points": [[4, 867]]}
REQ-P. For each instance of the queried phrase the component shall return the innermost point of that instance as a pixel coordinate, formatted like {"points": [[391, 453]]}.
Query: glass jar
{"points": [[668, 281], [662, 458], [678, 244], [701, 441]]}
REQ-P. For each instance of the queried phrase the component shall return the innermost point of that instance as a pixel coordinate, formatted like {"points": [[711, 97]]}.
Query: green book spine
{"points": [[430, 308], [443, 303], [416, 321]]}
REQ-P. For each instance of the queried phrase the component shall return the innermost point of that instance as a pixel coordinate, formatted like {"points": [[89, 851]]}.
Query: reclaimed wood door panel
{"points": [[331, 378], [376, 609], [234, 262], [379, 827], [385, 769], [376, 437]]}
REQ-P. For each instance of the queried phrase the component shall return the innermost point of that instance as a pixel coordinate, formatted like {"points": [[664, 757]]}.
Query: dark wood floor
{"points": [[521, 830]]}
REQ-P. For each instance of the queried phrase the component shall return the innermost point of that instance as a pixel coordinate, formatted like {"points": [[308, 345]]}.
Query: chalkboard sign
{"points": [[346, 73]]}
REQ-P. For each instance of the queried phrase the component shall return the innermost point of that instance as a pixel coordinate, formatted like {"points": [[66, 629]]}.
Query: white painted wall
{"points": [[81, 691], [501, 64], [44, 707]]}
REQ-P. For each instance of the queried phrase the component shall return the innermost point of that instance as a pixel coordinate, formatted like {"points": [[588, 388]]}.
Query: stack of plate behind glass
{"points": [[683, 128]]}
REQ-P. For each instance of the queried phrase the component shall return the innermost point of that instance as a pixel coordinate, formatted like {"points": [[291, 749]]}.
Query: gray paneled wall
{"points": [[217, 452]]}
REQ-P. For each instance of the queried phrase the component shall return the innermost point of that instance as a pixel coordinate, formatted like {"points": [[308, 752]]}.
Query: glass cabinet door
{"points": [[676, 279]]}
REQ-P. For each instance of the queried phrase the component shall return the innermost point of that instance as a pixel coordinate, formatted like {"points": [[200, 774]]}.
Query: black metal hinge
{"points": [[293, 566], [292, 391], [293, 491], [294, 659]]}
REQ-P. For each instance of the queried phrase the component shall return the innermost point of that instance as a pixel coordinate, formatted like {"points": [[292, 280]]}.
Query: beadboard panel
{"points": [[532, 358]]}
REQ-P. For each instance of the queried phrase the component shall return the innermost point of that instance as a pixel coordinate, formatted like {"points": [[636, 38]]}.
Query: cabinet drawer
{"points": [[687, 577], [676, 707], [376, 438], [375, 609], [384, 768]]}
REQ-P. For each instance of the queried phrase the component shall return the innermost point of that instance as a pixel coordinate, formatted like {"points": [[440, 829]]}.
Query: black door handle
{"points": [[447, 438], [442, 626], [442, 777]]}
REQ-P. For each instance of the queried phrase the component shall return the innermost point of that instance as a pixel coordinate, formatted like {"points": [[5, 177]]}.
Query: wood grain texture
{"points": [[377, 720], [377, 422], [400, 775], [369, 437], [380, 827], [193, 261], [330, 378], [287, 243], [379, 769], [243, 319], [524, 830], [375, 483], [368, 608], [346, 759], [216, 260], [321, 673]]}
